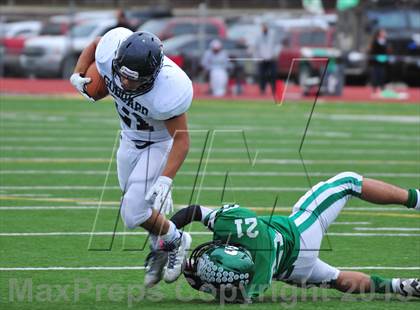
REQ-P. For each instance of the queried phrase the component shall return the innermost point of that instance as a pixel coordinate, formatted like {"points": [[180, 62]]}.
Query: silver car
{"points": [[56, 56]]}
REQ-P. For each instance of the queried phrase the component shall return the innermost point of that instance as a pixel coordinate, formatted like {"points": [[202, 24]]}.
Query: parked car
{"points": [[309, 43], [139, 17], [187, 51], [166, 28], [56, 56], [12, 40], [355, 28], [246, 32]]}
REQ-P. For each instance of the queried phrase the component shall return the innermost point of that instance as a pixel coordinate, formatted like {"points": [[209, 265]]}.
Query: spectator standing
{"points": [[267, 50], [216, 62], [378, 52], [122, 20]]}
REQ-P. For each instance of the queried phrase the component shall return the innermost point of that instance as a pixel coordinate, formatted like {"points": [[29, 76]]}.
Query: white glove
{"points": [[161, 196], [80, 82]]}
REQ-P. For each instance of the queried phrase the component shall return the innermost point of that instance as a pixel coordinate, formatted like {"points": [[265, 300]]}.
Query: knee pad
{"points": [[134, 209]]}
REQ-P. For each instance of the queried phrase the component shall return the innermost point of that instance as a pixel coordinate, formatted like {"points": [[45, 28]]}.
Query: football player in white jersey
{"points": [[152, 95]]}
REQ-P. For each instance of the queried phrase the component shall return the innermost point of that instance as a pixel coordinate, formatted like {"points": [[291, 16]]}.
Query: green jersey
{"points": [[272, 241]]}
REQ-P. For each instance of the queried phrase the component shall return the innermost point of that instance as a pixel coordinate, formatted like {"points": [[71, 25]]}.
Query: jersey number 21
{"points": [[251, 223]]}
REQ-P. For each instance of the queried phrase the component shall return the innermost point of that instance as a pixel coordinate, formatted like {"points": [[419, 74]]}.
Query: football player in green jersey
{"points": [[249, 251]]}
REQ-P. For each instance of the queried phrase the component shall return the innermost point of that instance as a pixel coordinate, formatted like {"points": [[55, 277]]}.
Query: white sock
{"points": [[417, 206], [153, 241], [172, 233], [396, 285]]}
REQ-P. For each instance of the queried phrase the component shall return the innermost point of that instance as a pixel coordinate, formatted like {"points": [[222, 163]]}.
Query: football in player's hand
{"points": [[96, 88]]}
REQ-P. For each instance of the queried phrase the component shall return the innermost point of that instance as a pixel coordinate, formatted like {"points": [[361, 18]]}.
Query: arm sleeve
{"points": [[190, 214]]}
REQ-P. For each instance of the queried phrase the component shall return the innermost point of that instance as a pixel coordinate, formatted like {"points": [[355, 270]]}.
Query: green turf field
{"points": [[59, 184]]}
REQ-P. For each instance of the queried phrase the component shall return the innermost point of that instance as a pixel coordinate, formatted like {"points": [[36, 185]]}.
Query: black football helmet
{"points": [[139, 58]]}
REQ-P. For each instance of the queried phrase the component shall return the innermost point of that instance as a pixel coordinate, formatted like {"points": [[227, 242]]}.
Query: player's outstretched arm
{"points": [[192, 213], [379, 192]]}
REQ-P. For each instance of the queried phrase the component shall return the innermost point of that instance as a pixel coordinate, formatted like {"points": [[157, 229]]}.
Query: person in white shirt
{"points": [[216, 62], [266, 50], [152, 95]]}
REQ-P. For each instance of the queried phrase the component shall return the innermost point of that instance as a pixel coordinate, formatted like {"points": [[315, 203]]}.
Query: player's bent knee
{"points": [[350, 181], [133, 220], [347, 174], [134, 210]]}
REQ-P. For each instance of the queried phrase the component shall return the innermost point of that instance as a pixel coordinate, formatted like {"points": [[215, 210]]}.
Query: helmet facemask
{"points": [[145, 82], [216, 267], [139, 60]]}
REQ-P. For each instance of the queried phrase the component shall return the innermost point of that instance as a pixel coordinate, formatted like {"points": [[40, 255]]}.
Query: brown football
{"points": [[96, 88]]}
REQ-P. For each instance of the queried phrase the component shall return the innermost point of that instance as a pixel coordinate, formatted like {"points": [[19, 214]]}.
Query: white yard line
{"points": [[113, 205], [212, 173], [402, 119], [60, 268], [89, 233], [378, 268], [309, 142], [183, 188], [372, 235], [55, 139], [109, 233], [239, 150], [386, 229], [34, 208], [270, 161], [351, 223], [250, 141], [71, 268]]}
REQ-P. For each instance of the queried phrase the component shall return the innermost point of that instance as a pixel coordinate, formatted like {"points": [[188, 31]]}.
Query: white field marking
{"points": [[351, 223], [386, 229], [28, 195], [113, 205], [183, 188], [378, 268], [402, 119], [375, 209], [34, 208], [88, 149], [314, 133], [93, 204], [55, 139], [216, 173], [61, 268], [329, 142], [372, 235], [217, 161], [78, 172], [71, 268], [198, 233], [58, 123], [42, 118], [89, 233], [385, 137], [265, 141]]}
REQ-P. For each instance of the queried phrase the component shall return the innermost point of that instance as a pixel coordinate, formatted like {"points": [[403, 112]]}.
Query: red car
{"points": [[166, 28], [308, 43]]}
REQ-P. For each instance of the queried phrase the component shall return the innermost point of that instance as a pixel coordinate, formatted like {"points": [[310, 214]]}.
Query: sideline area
{"points": [[11, 86]]}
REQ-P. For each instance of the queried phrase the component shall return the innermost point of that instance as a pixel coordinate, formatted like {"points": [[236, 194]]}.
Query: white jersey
{"points": [[142, 117]]}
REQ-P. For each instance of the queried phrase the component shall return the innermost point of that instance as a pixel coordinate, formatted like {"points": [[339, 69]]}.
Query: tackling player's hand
{"points": [[79, 82], [160, 195]]}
